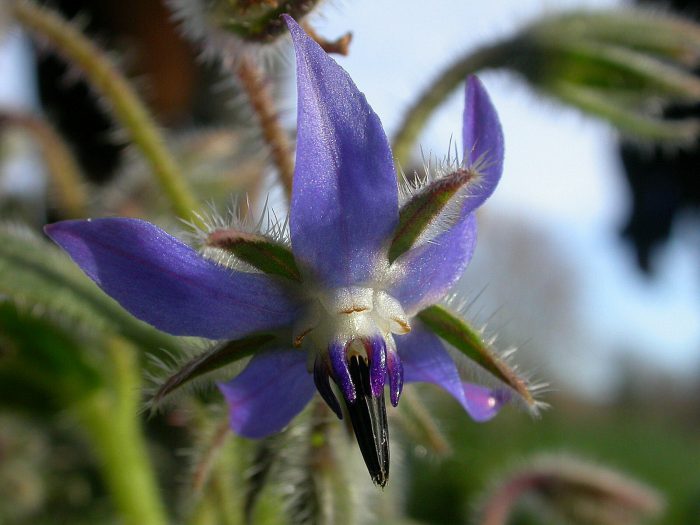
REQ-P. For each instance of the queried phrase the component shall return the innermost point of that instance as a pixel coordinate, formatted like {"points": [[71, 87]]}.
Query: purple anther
{"points": [[376, 354], [341, 372], [321, 380], [395, 371]]}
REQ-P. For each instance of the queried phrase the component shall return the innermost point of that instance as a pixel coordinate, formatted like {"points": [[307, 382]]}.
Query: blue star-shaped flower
{"points": [[366, 269]]}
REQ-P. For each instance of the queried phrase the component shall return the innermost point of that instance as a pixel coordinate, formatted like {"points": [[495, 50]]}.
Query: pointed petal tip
{"points": [[483, 403], [474, 83], [299, 36], [57, 230], [344, 200], [48, 228], [482, 137], [291, 23]]}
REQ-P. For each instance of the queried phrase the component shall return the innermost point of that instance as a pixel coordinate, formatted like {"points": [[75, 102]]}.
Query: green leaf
{"points": [[260, 252], [424, 208], [218, 357], [468, 341], [42, 367]]}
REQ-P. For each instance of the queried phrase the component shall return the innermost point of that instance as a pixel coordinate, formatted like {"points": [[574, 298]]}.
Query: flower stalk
{"points": [[110, 417], [104, 77], [574, 490], [212, 496]]}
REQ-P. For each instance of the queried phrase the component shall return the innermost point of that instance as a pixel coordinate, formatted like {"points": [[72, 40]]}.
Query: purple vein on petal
{"points": [[166, 283], [271, 390]]}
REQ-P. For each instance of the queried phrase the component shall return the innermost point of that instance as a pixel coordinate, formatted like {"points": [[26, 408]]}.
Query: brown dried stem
{"points": [[258, 92], [339, 46]]}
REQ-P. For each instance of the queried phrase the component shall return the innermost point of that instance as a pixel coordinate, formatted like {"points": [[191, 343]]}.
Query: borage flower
{"points": [[350, 302]]}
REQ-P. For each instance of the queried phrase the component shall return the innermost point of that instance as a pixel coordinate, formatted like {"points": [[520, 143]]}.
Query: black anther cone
{"points": [[368, 417]]}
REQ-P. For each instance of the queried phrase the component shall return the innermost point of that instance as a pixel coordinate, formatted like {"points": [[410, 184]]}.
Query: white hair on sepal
{"points": [[433, 171], [433, 168], [267, 223], [471, 371], [239, 217]]}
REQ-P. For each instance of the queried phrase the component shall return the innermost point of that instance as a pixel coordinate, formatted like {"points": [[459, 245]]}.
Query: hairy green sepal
{"points": [[468, 341], [424, 207], [260, 252], [218, 357]]}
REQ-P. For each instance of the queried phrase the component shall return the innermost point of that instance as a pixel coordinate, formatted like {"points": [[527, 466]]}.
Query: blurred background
{"points": [[588, 258]]}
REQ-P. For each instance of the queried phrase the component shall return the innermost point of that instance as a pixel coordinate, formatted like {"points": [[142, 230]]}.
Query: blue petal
{"points": [[344, 196], [424, 274], [271, 390], [482, 138], [167, 284], [425, 359]]}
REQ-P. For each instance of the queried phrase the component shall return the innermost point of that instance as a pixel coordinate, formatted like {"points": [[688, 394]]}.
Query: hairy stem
{"points": [[260, 98], [213, 497], [110, 417], [71, 197], [436, 93], [203, 468], [417, 422], [104, 77]]}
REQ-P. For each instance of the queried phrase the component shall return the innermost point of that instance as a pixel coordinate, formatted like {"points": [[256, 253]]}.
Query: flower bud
{"points": [[225, 26]]}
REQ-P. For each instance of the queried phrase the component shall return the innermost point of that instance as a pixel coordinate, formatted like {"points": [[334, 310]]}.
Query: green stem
{"points": [[446, 82], [216, 475], [71, 196], [110, 417], [105, 78]]}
